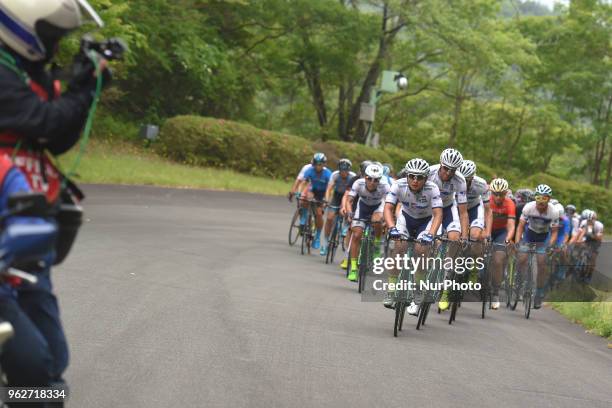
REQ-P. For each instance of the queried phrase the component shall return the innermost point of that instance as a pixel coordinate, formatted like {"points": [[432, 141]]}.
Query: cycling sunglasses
{"points": [[499, 194], [449, 169], [374, 180], [418, 177], [542, 198]]}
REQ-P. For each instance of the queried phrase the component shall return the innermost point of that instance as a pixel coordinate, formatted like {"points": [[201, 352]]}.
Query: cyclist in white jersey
{"points": [[453, 191], [337, 186], [420, 217], [478, 196], [590, 233], [371, 191], [540, 217]]}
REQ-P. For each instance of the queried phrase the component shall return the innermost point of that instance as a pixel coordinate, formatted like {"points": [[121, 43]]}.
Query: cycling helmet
{"points": [[590, 215], [344, 165], [33, 28], [374, 171], [402, 173], [416, 166], [554, 201], [387, 169], [584, 213], [319, 158], [523, 196], [364, 165], [498, 185], [543, 189], [451, 158], [570, 208], [467, 168]]}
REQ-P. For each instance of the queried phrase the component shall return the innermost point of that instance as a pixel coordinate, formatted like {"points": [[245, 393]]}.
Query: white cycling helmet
{"points": [[543, 189], [590, 216], [584, 213], [33, 28], [498, 185], [467, 168], [374, 171], [417, 166], [451, 158]]}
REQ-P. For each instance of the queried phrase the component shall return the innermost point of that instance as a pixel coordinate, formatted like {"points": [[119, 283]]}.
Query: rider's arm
{"points": [[389, 215], [553, 235], [330, 189], [577, 237], [437, 220], [464, 219], [488, 219], [510, 227], [519, 230]]}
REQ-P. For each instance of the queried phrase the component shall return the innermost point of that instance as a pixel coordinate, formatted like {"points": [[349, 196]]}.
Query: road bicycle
{"points": [[336, 237], [365, 258], [524, 281]]}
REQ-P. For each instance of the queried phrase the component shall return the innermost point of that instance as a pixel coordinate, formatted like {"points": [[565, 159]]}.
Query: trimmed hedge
{"points": [[219, 143]]}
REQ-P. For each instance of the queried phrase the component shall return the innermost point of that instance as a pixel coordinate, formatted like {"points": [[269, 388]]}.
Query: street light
{"points": [[392, 82]]}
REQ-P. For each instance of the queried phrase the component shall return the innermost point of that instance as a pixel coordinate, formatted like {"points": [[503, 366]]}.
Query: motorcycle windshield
{"points": [[89, 10]]}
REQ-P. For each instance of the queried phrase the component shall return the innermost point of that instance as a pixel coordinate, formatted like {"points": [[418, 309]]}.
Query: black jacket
{"points": [[55, 125]]}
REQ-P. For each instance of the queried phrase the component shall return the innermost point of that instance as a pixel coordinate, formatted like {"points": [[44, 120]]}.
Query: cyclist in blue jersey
{"points": [[338, 185], [318, 176]]}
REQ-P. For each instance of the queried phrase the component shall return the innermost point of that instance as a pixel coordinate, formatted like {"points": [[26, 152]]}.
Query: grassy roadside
{"points": [[596, 317], [124, 163]]}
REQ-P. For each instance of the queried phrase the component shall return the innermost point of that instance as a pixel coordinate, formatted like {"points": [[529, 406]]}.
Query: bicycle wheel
{"points": [[305, 231], [422, 314], [402, 314], [508, 273], [363, 263], [329, 257], [399, 306], [294, 228]]}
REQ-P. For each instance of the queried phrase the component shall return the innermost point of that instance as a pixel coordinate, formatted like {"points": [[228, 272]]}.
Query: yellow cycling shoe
{"points": [[344, 263], [352, 276], [443, 303]]}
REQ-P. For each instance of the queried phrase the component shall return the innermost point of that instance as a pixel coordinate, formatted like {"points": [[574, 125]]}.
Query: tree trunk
{"points": [[609, 172], [341, 113], [313, 80], [456, 114]]}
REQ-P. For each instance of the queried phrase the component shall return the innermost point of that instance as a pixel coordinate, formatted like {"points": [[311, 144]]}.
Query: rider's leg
{"points": [[355, 244]]}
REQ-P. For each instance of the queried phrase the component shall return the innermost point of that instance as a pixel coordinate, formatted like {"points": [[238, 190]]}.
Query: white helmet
{"points": [[32, 28], [584, 213], [374, 171], [543, 189], [499, 185], [451, 158], [467, 168], [590, 215], [417, 166]]}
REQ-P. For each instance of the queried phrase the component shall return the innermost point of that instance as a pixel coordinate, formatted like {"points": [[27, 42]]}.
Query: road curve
{"points": [[189, 298]]}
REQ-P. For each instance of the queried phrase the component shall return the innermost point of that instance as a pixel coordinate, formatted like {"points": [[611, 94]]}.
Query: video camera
{"points": [[110, 49]]}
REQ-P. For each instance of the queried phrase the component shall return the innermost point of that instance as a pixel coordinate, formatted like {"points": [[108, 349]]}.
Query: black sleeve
{"points": [[55, 125]]}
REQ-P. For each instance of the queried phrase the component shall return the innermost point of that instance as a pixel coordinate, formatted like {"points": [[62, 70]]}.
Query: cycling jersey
{"points": [[318, 181], [564, 229], [574, 225], [369, 198], [478, 189], [415, 204], [302, 172], [340, 184], [591, 230], [501, 213], [539, 224], [454, 189]]}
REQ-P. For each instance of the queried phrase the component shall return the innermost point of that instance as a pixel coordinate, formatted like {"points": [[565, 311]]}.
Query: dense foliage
{"points": [[519, 87]]}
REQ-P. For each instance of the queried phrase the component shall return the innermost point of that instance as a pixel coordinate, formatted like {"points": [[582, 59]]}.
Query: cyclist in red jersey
{"points": [[502, 231]]}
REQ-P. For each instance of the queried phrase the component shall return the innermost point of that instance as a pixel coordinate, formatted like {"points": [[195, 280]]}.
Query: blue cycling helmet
{"points": [[319, 158], [344, 165]]}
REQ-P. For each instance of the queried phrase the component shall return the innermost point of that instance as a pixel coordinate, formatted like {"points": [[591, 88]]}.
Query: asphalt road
{"points": [[181, 298]]}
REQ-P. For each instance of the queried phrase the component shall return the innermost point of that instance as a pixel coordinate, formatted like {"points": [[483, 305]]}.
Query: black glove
{"points": [[83, 73]]}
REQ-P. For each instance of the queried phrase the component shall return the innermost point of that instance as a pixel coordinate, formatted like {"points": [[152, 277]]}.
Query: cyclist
{"points": [[388, 173], [478, 195], [421, 215], [574, 218], [300, 176], [338, 185], [318, 176], [591, 233], [371, 192], [522, 197], [542, 217], [36, 118], [452, 185], [563, 237], [362, 167], [502, 231]]}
